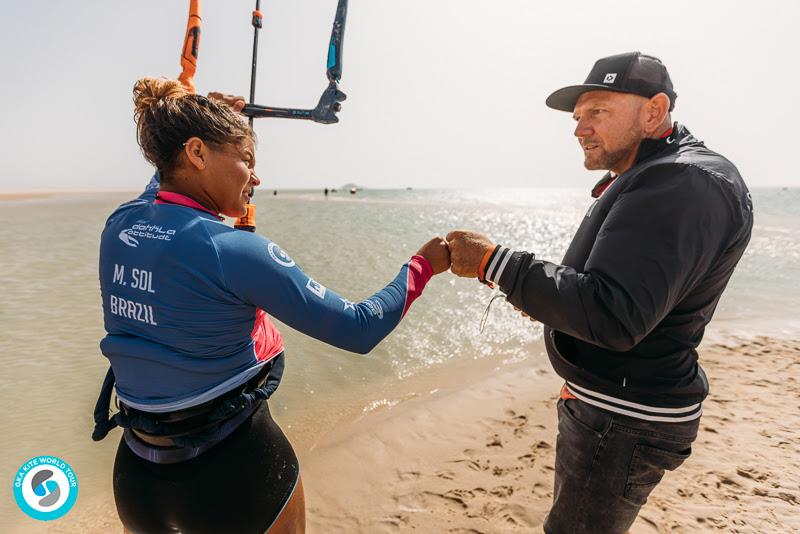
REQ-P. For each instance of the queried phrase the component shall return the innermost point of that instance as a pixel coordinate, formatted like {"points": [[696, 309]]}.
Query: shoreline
{"points": [[10, 195]]}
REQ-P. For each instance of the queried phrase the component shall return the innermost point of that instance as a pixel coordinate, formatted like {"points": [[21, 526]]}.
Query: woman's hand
{"points": [[437, 253], [235, 102]]}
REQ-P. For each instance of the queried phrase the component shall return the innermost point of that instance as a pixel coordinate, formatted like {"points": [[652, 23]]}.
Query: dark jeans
{"points": [[607, 464]]}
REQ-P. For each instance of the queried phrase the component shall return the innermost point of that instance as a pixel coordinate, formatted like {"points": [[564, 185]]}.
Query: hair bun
{"points": [[148, 91]]}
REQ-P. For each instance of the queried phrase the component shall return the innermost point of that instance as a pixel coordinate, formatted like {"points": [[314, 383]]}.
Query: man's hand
{"points": [[466, 251], [437, 254], [235, 102]]}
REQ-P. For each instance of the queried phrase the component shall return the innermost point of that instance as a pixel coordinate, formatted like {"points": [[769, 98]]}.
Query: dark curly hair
{"points": [[167, 115]]}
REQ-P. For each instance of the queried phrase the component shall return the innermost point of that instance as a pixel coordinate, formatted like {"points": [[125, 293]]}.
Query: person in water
{"points": [[191, 347], [626, 308]]}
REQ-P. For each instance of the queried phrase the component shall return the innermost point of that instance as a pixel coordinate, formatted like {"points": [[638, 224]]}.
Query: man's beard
{"points": [[609, 160]]}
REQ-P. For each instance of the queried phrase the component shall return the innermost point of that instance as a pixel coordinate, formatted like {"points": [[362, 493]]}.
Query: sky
{"points": [[443, 93]]}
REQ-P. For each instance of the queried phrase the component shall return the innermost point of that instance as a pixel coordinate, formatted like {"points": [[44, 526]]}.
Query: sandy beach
{"points": [[479, 458]]}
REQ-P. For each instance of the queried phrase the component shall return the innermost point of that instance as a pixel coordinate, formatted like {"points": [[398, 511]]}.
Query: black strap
{"points": [[103, 424], [225, 409]]}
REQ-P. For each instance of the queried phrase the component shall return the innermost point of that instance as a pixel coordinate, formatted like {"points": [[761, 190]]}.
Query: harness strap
{"points": [[179, 434]]}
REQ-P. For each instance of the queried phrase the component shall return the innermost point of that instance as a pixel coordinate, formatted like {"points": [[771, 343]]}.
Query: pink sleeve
{"points": [[419, 272]]}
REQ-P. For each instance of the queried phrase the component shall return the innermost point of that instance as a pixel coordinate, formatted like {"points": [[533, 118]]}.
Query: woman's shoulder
{"points": [[242, 247]]}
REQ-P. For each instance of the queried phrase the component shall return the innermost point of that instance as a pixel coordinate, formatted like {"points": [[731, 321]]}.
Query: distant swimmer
{"points": [[194, 356], [274, 192], [326, 191], [627, 306]]}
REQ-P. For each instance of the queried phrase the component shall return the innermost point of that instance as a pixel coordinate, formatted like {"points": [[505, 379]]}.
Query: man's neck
{"points": [[663, 131]]}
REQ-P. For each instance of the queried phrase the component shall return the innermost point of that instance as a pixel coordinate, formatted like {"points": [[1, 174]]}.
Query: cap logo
{"points": [[610, 77]]}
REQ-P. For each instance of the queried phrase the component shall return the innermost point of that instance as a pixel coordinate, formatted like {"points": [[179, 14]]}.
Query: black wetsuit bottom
{"points": [[240, 485]]}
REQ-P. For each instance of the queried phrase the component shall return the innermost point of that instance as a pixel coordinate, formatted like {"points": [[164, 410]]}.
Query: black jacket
{"points": [[628, 305]]}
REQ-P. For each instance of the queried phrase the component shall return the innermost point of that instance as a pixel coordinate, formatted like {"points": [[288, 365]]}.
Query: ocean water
{"points": [[51, 320]]}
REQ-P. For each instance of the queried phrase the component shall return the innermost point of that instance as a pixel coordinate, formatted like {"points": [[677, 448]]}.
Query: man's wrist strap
{"points": [[487, 259]]}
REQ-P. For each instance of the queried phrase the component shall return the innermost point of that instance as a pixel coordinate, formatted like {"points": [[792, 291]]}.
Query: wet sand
{"points": [[479, 459]]}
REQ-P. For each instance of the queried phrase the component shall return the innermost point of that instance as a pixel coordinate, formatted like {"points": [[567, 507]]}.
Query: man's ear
{"points": [[196, 152], [654, 113]]}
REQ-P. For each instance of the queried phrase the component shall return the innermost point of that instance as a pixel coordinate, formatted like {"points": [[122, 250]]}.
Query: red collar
{"points": [[169, 197], [603, 184]]}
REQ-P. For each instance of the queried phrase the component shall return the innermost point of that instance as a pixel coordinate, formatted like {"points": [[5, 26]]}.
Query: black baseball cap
{"points": [[632, 72]]}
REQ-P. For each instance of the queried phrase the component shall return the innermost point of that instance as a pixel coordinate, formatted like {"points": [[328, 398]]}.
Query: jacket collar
{"points": [[677, 136], [169, 197]]}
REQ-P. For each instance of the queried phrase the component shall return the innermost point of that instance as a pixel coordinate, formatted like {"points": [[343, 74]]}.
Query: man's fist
{"points": [[437, 254], [466, 251]]}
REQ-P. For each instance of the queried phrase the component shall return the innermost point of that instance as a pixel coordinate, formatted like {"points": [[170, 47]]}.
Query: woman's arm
{"points": [[260, 273]]}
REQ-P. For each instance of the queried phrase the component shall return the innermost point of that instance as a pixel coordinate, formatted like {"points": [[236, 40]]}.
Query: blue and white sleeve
{"points": [[258, 272]]}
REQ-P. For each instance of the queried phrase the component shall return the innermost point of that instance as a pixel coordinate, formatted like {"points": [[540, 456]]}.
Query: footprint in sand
{"points": [[408, 475], [494, 441], [782, 495], [457, 497], [502, 491], [516, 422], [752, 474], [475, 465], [511, 514], [726, 480], [505, 471], [541, 490], [397, 520], [541, 446], [446, 475], [527, 459]]}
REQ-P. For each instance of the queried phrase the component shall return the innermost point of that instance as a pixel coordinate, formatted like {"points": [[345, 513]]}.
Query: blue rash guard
{"points": [[183, 293]]}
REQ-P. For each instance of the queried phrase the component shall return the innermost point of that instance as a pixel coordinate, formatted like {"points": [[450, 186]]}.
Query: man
{"points": [[628, 305]]}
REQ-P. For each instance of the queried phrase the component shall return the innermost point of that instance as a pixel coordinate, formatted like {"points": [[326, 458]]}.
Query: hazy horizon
{"points": [[440, 95]]}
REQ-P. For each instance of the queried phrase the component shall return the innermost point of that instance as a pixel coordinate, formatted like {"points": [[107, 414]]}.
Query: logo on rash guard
{"points": [[127, 239], [280, 257], [147, 231], [316, 288], [347, 304], [374, 307]]}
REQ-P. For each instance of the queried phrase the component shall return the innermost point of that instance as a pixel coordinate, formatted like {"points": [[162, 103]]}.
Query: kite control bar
{"points": [[329, 103]]}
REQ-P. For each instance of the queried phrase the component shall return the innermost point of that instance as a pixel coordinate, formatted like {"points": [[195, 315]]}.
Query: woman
{"points": [[192, 350]]}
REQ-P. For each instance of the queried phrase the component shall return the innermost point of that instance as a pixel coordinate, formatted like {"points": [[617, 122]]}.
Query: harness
{"points": [[197, 428]]}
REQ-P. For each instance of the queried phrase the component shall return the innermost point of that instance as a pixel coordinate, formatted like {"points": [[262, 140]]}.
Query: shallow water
{"points": [[51, 321]]}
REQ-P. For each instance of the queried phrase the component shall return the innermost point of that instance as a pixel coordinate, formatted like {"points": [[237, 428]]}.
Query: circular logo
{"points": [[45, 487], [280, 257]]}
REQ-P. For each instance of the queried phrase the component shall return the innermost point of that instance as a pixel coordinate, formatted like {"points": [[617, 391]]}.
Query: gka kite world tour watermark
{"points": [[45, 487]]}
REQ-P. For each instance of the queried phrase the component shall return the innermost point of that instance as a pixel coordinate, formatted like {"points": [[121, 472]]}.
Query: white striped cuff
{"points": [[497, 264]]}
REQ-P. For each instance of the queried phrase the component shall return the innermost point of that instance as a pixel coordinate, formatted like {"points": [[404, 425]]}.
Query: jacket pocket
{"points": [[647, 469]]}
